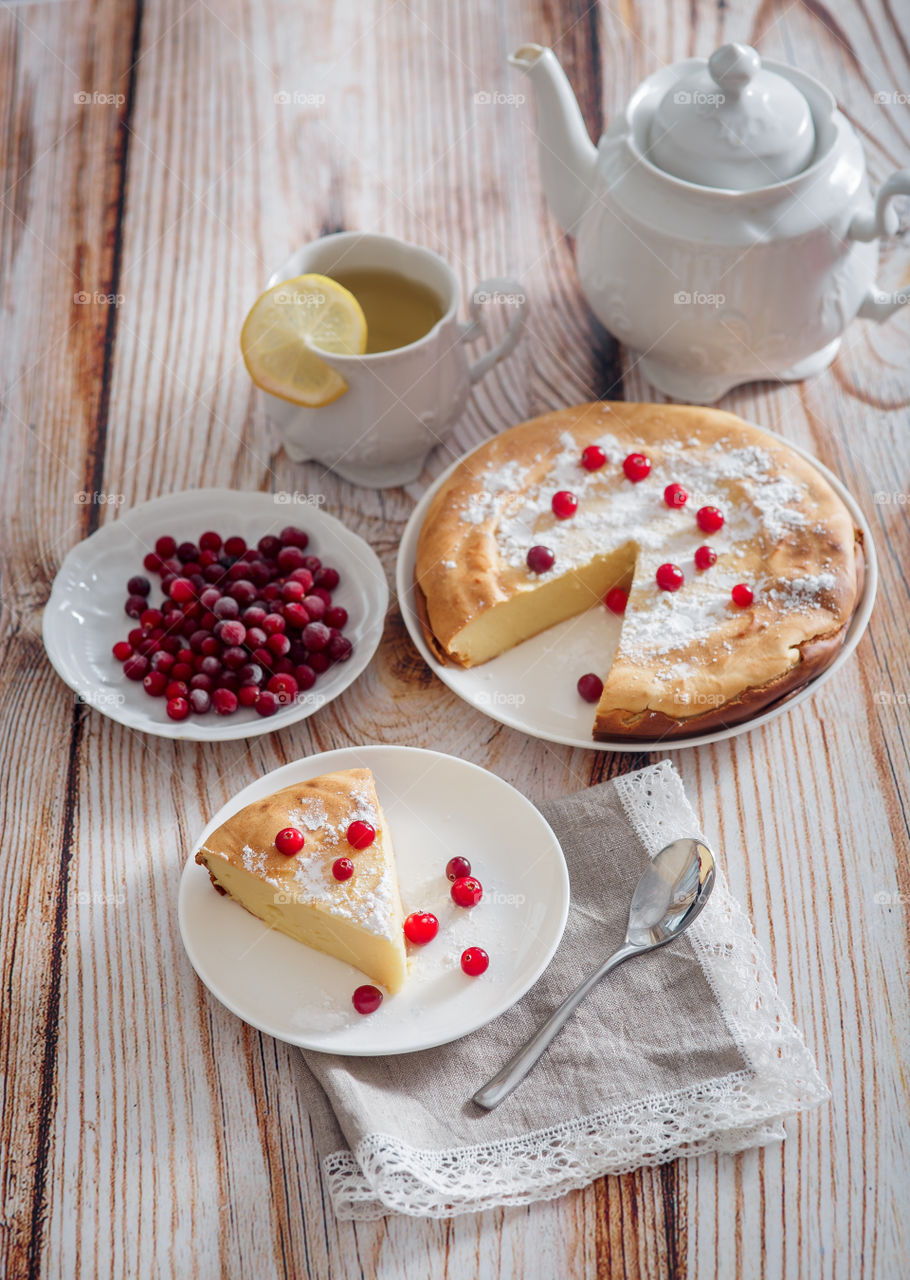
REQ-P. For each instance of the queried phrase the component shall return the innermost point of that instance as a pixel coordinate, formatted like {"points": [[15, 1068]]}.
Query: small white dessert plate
{"points": [[532, 687], [84, 616], [436, 806]]}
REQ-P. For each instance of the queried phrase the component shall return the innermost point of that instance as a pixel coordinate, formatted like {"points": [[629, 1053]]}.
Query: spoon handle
{"points": [[508, 1077]]}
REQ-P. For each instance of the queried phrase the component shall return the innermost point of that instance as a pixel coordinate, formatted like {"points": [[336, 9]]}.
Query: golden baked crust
{"points": [[687, 661]]}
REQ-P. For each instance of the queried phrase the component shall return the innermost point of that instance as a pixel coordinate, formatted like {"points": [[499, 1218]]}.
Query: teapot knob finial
{"points": [[732, 66]]}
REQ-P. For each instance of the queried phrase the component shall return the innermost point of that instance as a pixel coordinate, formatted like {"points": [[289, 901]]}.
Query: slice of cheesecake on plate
{"points": [[279, 858]]}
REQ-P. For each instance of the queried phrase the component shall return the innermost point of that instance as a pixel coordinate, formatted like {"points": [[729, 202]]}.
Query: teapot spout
{"points": [[568, 157]]}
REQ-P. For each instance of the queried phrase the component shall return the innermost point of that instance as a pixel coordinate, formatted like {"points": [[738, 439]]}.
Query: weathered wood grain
{"points": [[145, 1131]]}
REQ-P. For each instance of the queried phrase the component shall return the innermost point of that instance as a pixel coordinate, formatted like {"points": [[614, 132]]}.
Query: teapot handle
{"points": [[499, 289], [881, 220]]}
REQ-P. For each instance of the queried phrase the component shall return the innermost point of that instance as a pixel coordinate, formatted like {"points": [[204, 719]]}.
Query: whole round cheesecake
{"points": [[737, 564]]}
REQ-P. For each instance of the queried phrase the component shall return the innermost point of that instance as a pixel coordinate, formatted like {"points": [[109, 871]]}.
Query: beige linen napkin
{"points": [[684, 1051]]}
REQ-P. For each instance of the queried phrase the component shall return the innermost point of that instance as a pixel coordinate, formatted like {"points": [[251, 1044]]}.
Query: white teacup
{"points": [[399, 403]]}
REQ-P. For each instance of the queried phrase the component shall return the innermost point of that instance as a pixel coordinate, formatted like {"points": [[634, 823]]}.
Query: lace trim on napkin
{"points": [[385, 1175]]}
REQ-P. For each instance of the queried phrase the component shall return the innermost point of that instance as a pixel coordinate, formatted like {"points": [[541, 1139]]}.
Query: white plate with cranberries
{"points": [[557, 704], [215, 614], [492, 939]]}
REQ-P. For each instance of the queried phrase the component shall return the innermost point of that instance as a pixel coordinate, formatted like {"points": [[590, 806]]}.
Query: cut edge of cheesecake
{"points": [[359, 920]]}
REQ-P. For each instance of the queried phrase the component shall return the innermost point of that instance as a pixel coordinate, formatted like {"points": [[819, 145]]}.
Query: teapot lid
{"points": [[732, 123]]}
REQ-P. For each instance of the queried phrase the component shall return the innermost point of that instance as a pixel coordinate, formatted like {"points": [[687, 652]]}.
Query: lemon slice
{"points": [[285, 330]]}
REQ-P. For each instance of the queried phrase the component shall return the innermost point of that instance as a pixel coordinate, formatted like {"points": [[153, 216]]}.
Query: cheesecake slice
{"points": [[359, 919]]}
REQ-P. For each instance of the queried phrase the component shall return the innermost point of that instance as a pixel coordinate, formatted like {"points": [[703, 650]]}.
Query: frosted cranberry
{"points": [[616, 600], [255, 637], [284, 688], [267, 704], [342, 868], [456, 868], [361, 834], [564, 504], [590, 687], [327, 578], [366, 999], [291, 536], [152, 562], [248, 695], [540, 559], [271, 593], [155, 684], [669, 577], [250, 673], [710, 519], [234, 546], [210, 541], [259, 573], [273, 623], [593, 457], [181, 590], [305, 676], [177, 688], [263, 656], [238, 572], [200, 701], [675, 495], [165, 547], [340, 648], [161, 660], [278, 644], [210, 666], [178, 708], [742, 595], [316, 636], [166, 582], [209, 597], [268, 546], [296, 615], [421, 927], [313, 563], [636, 466], [135, 667], [224, 702], [466, 891], [303, 576], [292, 591], [182, 671], [289, 559], [243, 592], [234, 657], [474, 961], [122, 650], [705, 557], [336, 617], [254, 616], [232, 632], [320, 662], [135, 606], [197, 639], [226, 609], [315, 607], [201, 681], [138, 586], [322, 594], [213, 573]]}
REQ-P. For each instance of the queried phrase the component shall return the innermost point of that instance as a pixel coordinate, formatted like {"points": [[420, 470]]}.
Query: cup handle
{"points": [[498, 289], [881, 220]]}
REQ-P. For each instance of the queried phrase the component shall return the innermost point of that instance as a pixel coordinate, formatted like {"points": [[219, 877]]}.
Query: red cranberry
{"points": [[165, 547], [250, 673], [135, 606], [138, 586], [198, 638], [264, 657], [336, 617], [592, 457], [320, 662], [178, 708], [540, 559], [187, 551], [122, 650], [742, 595], [361, 834], [466, 891], [136, 636], [200, 701], [135, 667], [710, 519], [340, 648], [228, 680], [254, 616], [475, 961], [284, 688], [234, 657], [327, 578], [292, 591], [232, 632], [342, 868], [316, 636], [152, 562], [181, 590], [210, 647], [210, 665], [289, 559], [289, 841], [456, 868], [255, 638], [705, 557], [590, 687], [669, 577], [213, 573], [226, 609], [224, 702], [267, 703], [421, 927], [303, 576], [366, 999], [155, 684], [305, 676], [182, 671], [201, 681], [675, 495], [243, 592], [273, 623], [313, 563], [315, 607], [636, 466], [248, 695], [271, 593], [210, 541], [177, 689], [296, 615], [616, 600], [291, 536], [161, 660], [234, 546], [564, 504], [278, 644]]}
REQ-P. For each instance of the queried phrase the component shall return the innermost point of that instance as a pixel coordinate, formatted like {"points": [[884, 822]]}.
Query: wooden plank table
{"points": [[159, 161]]}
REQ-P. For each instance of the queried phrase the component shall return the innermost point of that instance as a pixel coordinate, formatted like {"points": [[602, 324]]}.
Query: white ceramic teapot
{"points": [[724, 227]]}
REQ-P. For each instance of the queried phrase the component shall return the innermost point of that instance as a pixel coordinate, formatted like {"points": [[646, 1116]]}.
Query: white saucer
{"points": [[437, 806], [84, 615], [547, 705]]}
